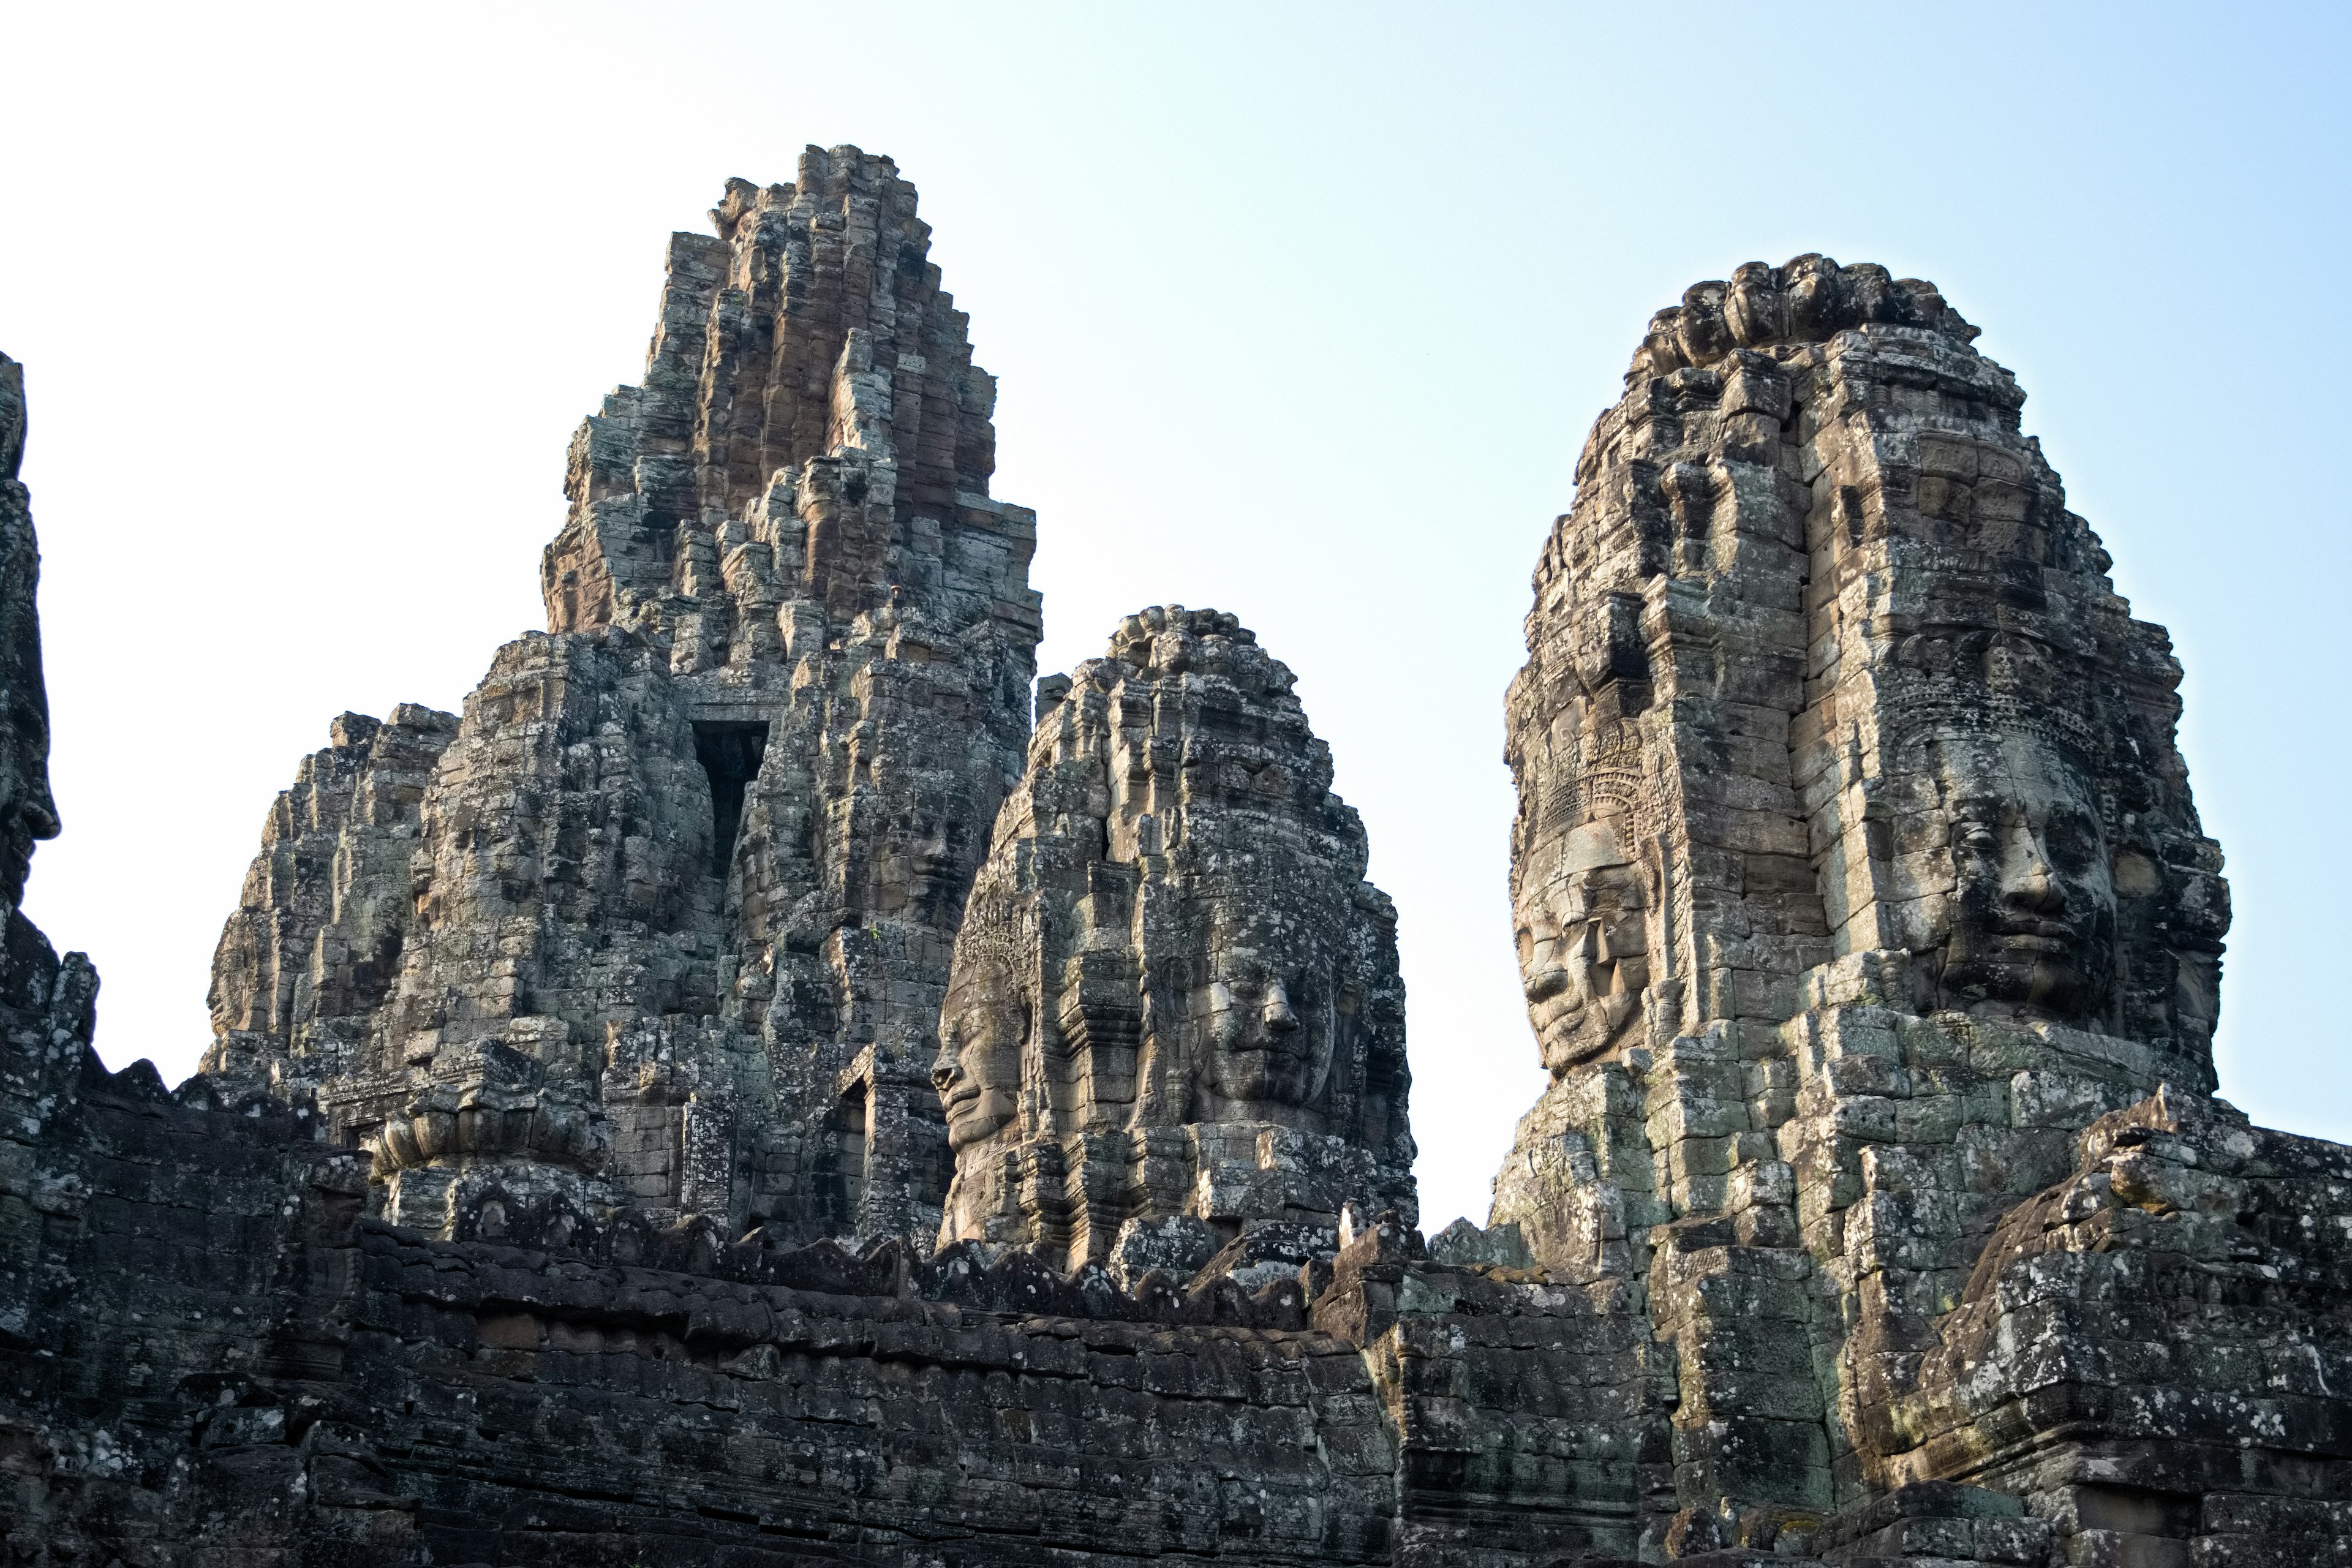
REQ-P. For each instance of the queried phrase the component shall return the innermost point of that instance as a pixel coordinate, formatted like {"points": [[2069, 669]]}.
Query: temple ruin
{"points": [[773, 1081]]}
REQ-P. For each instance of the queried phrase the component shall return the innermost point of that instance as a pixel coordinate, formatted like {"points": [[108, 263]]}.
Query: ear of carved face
{"points": [[2030, 922], [982, 1030], [1583, 942]]}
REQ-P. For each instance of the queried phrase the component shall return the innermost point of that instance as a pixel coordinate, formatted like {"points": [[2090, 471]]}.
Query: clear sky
{"points": [[1300, 312]]}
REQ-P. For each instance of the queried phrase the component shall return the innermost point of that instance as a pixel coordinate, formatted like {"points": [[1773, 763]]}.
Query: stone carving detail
{"points": [[1877, 1209], [1819, 664], [326, 912], [1175, 997], [1855, 868], [2200, 1266], [665, 918]]}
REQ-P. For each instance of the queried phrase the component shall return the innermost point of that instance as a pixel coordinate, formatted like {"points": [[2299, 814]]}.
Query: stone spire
{"points": [[665, 917], [1855, 869], [810, 387], [1174, 1013], [47, 1006]]}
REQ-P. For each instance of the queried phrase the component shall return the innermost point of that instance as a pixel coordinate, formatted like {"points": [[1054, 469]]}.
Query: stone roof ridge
{"points": [[1809, 299], [511, 1228]]}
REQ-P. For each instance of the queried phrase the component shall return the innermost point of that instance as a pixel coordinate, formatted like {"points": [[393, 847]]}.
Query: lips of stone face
{"points": [[1268, 1029], [2031, 918], [1584, 948], [977, 1070]]}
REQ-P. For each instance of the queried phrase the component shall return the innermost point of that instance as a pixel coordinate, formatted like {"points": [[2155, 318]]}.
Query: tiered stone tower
{"points": [[1855, 869], [1878, 1209], [1174, 1013], [665, 918]]}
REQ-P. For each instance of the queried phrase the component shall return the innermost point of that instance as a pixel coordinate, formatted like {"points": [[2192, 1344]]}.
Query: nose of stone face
{"points": [[2037, 889], [1279, 1015]]}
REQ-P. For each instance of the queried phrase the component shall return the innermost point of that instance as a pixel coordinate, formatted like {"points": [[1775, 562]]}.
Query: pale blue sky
{"points": [[1300, 312]]}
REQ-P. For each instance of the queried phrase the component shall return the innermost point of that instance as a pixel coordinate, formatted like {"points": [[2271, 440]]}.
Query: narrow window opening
{"points": [[729, 752]]}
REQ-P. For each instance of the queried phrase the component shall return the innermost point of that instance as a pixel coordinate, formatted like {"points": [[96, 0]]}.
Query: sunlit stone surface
{"points": [[1175, 997], [624, 1140]]}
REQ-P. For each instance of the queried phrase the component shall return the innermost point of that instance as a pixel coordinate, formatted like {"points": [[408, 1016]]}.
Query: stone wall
{"points": [[569, 1180], [225, 1360], [217, 1356]]}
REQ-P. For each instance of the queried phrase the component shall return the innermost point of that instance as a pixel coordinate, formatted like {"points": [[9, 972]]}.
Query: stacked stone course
{"points": [[1856, 876], [1174, 1018], [651, 1117], [665, 917]]}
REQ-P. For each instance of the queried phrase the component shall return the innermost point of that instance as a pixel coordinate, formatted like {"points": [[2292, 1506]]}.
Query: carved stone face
{"points": [[2031, 922], [1268, 1027], [982, 1030], [1584, 947]]}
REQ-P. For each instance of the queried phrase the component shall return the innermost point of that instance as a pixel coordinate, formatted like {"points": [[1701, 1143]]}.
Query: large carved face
{"points": [[982, 1028], [1584, 946], [1265, 1020], [2031, 921]]}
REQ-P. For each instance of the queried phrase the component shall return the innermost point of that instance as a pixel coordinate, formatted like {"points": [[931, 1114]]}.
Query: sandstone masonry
{"points": [[1174, 1021], [1860, 900], [654, 1118], [664, 918]]}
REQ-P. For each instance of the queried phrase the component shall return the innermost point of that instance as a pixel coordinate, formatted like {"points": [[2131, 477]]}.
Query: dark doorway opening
{"points": [[729, 752], [839, 1179]]}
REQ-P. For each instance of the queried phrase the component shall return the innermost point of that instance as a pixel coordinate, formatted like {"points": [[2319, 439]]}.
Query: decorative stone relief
{"points": [[1855, 868], [1877, 1208], [1175, 997], [665, 918]]}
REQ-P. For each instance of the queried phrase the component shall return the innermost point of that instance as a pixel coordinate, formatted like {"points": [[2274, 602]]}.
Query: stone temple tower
{"points": [[1174, 1023], [1855, 871], [665, 917], [1877, 1210]]}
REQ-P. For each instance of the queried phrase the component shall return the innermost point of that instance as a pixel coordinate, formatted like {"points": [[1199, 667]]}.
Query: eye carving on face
{"points": [[2030, 924], [1583, 941]]}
